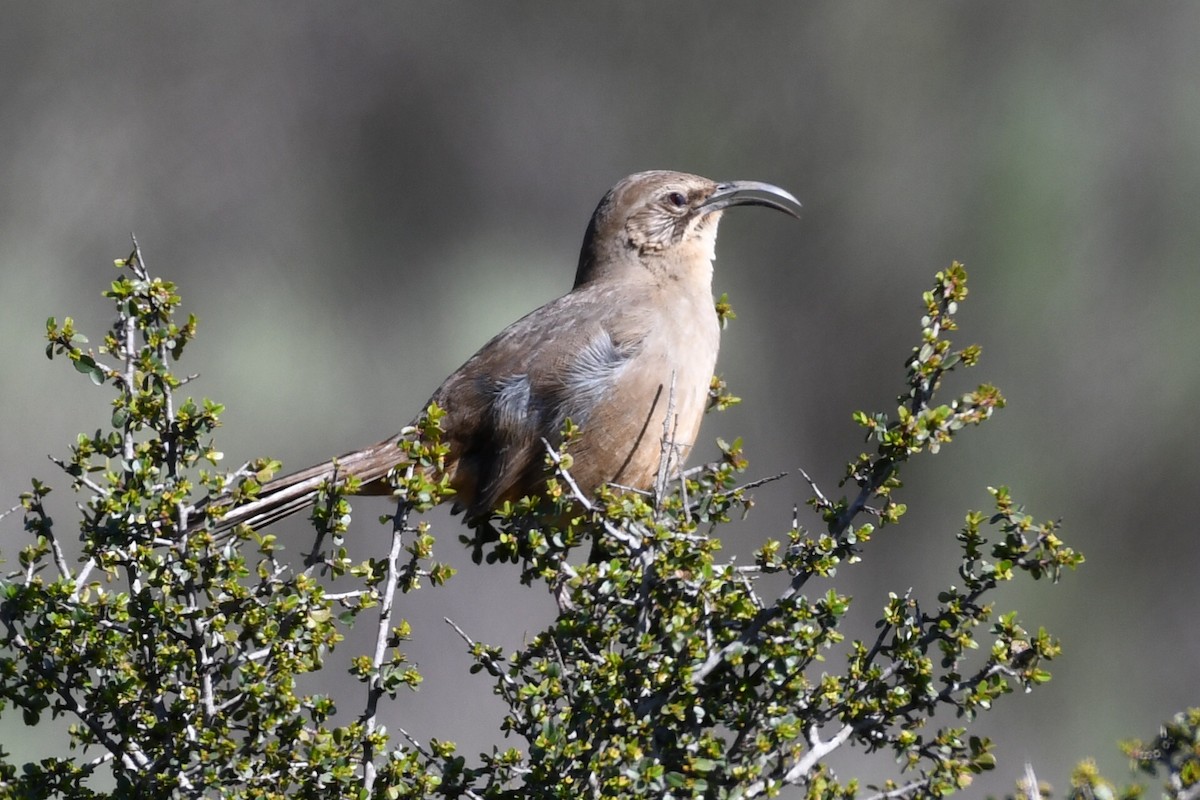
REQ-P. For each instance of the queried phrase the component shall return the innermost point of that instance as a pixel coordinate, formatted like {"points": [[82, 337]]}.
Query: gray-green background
{"points": [[353, 197]]}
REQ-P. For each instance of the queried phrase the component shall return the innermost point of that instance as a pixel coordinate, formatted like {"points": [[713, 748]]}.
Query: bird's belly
{"points": [[660, 397]]}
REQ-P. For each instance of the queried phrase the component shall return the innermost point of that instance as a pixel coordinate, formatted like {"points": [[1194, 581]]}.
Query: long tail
{"points": [[286, 495]]}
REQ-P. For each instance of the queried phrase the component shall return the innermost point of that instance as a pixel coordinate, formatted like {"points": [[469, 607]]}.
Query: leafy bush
{"points": [[176, 654]]}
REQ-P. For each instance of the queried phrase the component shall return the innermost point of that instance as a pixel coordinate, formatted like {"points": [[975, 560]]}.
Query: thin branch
{"points": [[60, 559], [17, 507], [576, 492], [198, 639], [625, 487], [669, 427], [429, 757], [492, 668], [88, 482], [1032, 790], [127, 350], [342, 597], [619, 534], [383, 636], [81, 578], [907, 790], [817, 749], [822, 500], [744, 576], [757, 482]]}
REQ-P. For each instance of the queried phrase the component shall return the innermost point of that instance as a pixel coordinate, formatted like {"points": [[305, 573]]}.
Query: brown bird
{"points": [[636, 336]]}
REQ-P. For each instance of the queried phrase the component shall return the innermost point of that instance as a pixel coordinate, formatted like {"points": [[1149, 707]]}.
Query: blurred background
{"points": [[353, 198]]}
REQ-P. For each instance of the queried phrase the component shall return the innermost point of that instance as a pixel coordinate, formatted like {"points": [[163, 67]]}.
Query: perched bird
{"points": [[635, 338]]}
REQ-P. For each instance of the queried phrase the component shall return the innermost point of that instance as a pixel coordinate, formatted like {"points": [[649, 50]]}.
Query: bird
{"points": [[633, 341]]}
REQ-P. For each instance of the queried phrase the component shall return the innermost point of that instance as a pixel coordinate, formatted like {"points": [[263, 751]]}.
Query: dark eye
{"points": [[677, 199]]}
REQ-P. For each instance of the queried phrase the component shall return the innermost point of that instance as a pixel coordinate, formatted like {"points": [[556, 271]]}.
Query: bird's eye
{"points": [[677, 199]]}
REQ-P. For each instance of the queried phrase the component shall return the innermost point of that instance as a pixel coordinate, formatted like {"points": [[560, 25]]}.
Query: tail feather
{"points": [[289, 494]]}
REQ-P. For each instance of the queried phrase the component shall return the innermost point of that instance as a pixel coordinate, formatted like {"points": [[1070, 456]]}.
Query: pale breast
{"points": [[621, 441]]}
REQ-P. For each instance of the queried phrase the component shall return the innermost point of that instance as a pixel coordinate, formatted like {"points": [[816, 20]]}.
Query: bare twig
{"points": [[383, 637], [907, 790], [88, 482], [429, 757], [81, 578], [17, 507], [757, 482], [817, 749], [492, 667], [669, 427], [626, 537], [822, 500], [60, 559], [342, 597], [1032, 790], [562, 471]]}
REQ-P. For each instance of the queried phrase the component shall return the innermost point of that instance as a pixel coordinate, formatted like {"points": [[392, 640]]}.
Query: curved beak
{"points": [[750, 193]]}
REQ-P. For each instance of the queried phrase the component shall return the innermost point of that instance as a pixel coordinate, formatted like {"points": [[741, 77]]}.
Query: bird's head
{"points": [[658, 219]]}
